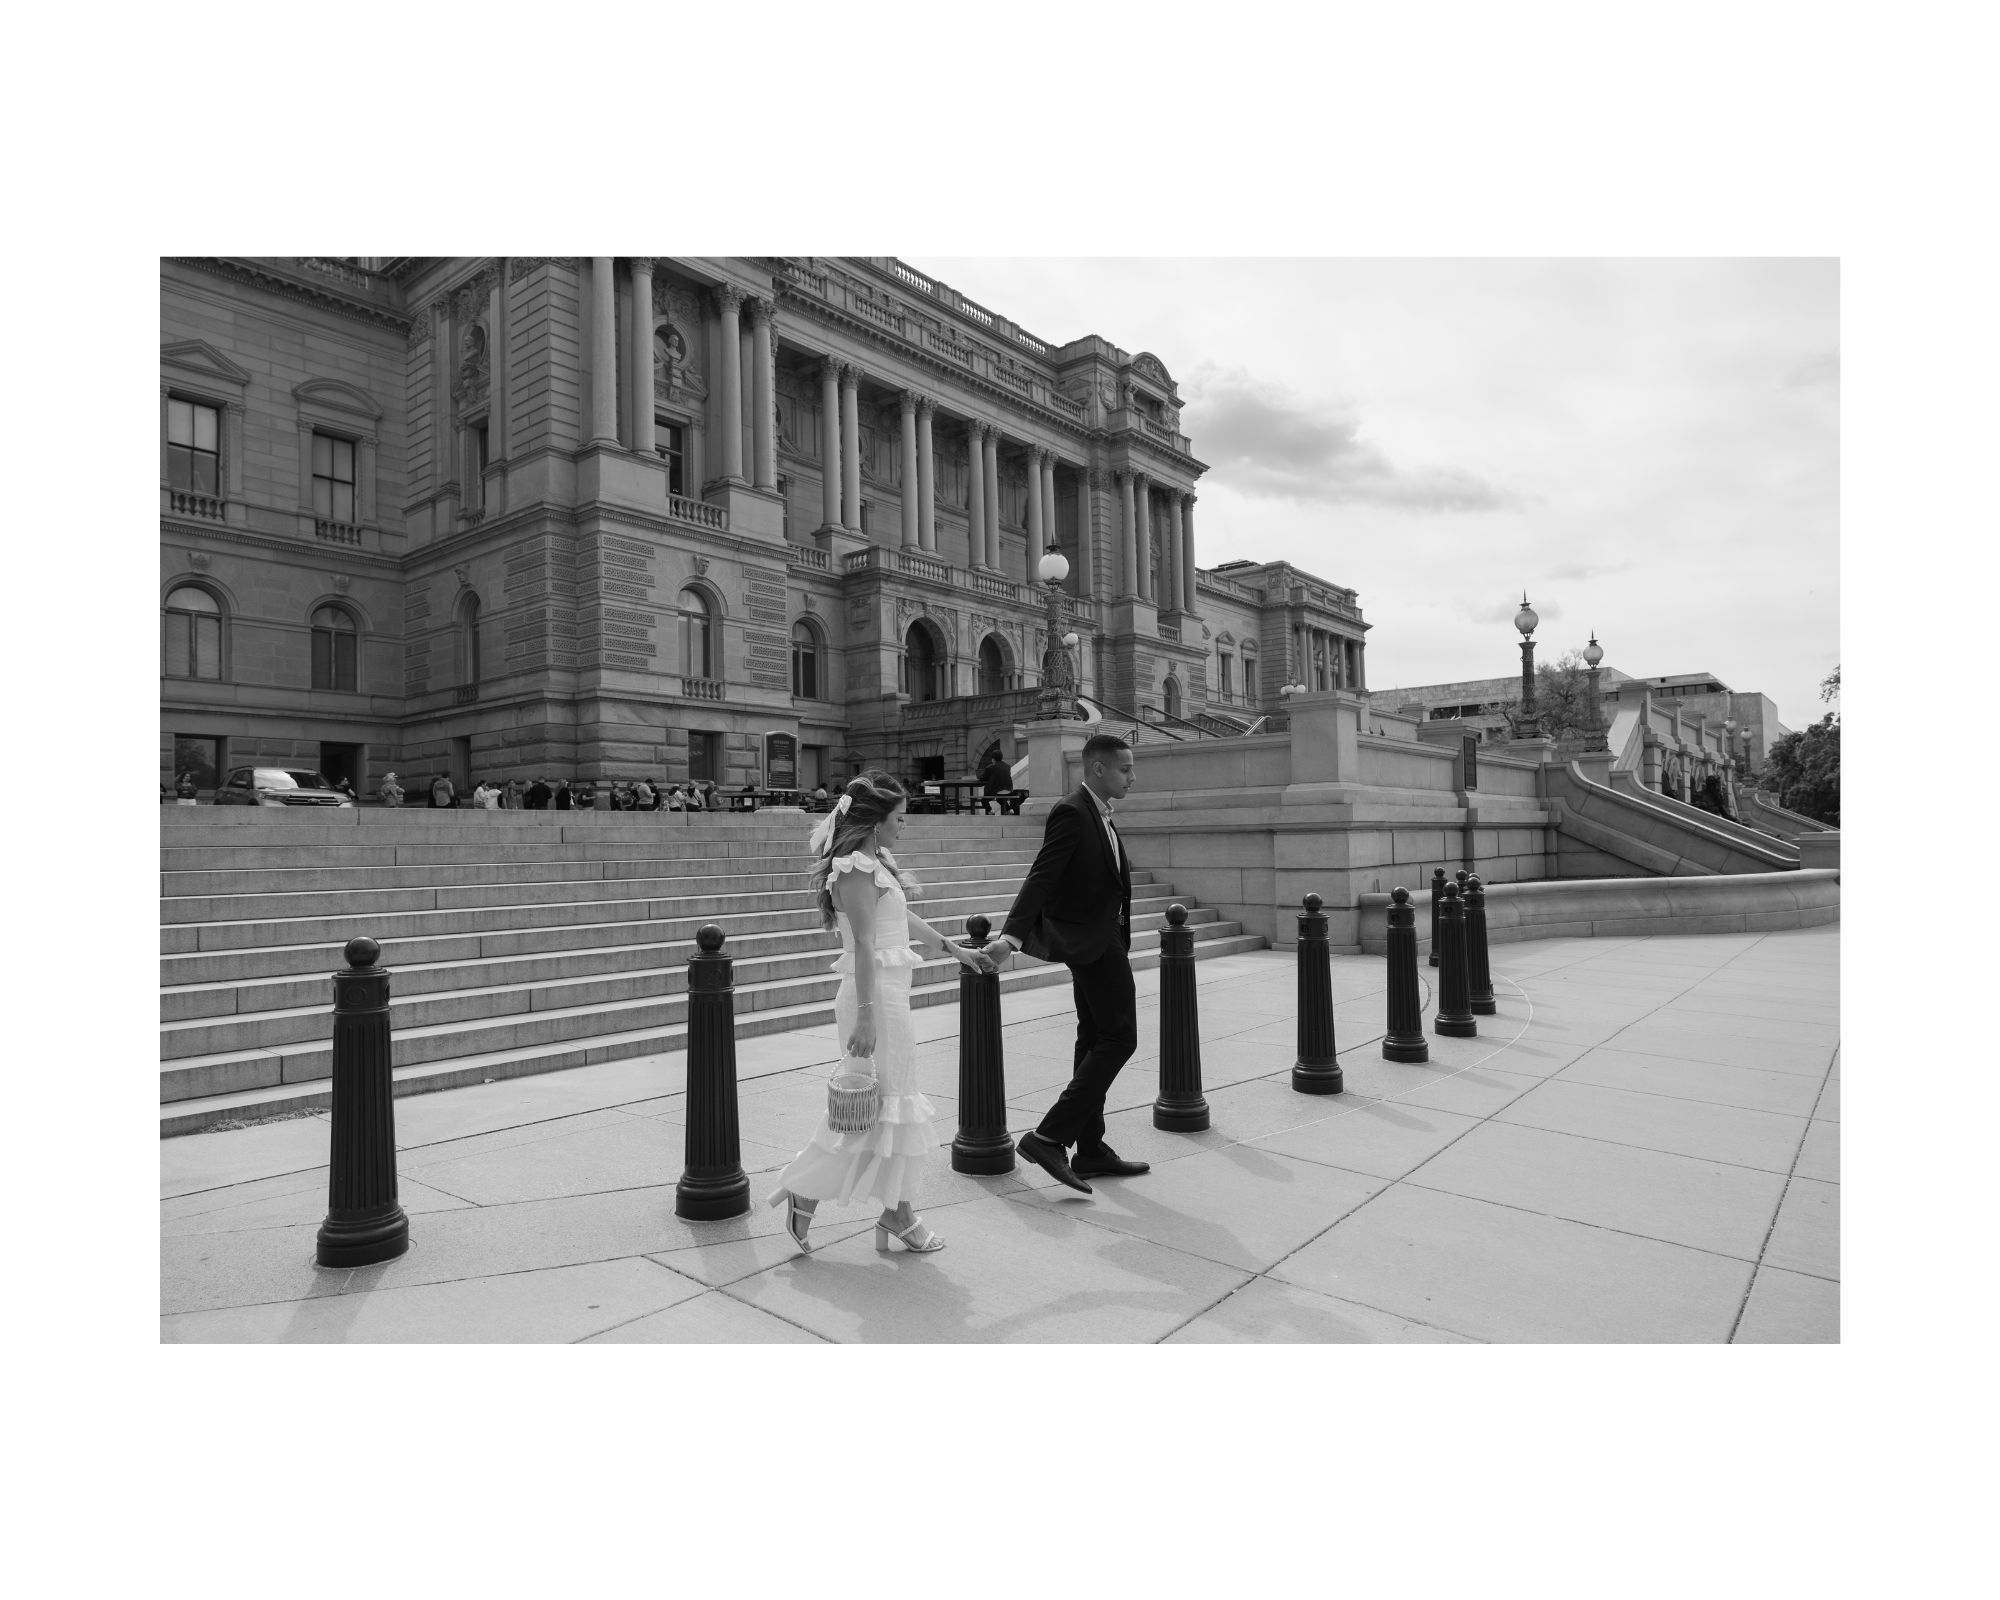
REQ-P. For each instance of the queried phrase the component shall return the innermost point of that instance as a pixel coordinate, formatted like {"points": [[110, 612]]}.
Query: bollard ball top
{"points": [[1313, 903], [1176, 914], [361, 951], [1400, 895], [978, 927], [709, 938]]}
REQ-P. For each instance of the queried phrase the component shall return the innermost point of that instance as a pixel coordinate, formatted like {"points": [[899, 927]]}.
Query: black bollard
{"points": [[1405, 1039], [364, 1223], [1316, 1071], [714, 1184], [1437, 894], [1454, 1018], [1478, 971], [1180, 1107], [1464, 876], [981, 1145]]}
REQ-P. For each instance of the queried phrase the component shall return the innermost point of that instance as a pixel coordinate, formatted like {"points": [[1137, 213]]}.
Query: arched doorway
{"points": [[922, 669], [994, 676], [1172, 693]]}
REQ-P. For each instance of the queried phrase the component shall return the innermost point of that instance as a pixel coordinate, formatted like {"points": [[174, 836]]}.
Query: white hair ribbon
{"points": [[822, 836]]}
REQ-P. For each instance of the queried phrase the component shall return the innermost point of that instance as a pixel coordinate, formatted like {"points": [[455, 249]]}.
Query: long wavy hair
{"points": [[871, 797]]}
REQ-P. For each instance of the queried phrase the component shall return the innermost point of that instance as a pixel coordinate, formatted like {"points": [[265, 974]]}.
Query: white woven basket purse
{"points": [[853, 1096]]}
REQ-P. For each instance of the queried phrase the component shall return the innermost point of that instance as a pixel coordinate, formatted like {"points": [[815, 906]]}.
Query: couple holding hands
{"points": [[1075, 907]]}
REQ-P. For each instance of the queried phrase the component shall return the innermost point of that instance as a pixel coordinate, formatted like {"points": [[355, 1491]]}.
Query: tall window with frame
{"points": [[697, 635], [333, 478], [194, 447], [468, 643], [670, 441], [1250, 679], [805, 662], [192, 635], [333, 648], [1222, 663]]}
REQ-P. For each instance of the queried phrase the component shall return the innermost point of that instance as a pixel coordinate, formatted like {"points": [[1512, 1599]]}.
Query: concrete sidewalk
{"points": [[1643, 1146]]}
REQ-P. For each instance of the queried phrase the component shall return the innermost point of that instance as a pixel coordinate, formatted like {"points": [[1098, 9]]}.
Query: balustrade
{"points": [[700, 689], [698, 512], [807, 558], [1003, 588], [196, 505], [913, 280], [336, 532], [923, 566]]}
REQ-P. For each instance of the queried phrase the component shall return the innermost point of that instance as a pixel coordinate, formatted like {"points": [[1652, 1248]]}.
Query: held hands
{"points": [[978, 960]]}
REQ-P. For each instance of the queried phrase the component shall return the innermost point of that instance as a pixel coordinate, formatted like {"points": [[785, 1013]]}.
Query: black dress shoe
{"points": [[1049, 1156], [1107, 1163]]}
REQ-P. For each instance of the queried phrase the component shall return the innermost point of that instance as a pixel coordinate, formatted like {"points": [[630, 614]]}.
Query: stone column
{"points": [[763, 395], [975, 498], [1360, 666], [912, 534], [1038, 530], [1086, 554], [729, 303], [1188, 573], [1128, 527], [1176, 574], [990, 474], [1142, 499], [640, 346], [926, 479], [603, 356], [1048, 489], [829, 440], [850, 448]]}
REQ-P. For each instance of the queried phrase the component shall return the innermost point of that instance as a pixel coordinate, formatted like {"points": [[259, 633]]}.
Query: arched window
{"points": [[920, 664], [333, 643], [992, 666], [1172, 692], [193, 634], [805, 662], [697, 636], [468, 646]]}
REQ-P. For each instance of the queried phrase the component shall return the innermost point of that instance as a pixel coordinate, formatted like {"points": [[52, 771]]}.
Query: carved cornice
{"points": [[325, 294], [518, 267]]}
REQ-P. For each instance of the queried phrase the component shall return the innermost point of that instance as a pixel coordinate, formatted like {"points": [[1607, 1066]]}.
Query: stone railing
{"points": [[917, 564], [913, 279], [207, 507], [465, 694], [1168, 630], [877, 311], [336, 532], [701, 689], [995, 585], [808, 558], [948, 345], [699, 513]]}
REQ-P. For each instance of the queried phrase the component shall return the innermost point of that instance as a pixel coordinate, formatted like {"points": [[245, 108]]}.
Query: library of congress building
{"points": [[602, 518]]}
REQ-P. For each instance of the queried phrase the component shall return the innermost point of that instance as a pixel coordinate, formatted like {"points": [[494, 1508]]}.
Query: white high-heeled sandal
{"points": [[883, 1234], [797, 1219]]}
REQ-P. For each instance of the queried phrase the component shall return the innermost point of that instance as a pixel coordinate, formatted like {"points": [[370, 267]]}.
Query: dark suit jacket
{"points": [[1076, 903]]}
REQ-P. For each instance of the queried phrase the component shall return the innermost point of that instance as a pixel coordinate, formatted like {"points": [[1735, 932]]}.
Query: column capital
{"points": [[1095, 476], [926, 406], [829, 369], [728, 299], [763, 311], [850, 376], [909, 403], [642, 264]]}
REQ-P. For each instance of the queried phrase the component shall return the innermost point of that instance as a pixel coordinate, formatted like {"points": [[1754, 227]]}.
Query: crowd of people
{"points": [[539, 794]]}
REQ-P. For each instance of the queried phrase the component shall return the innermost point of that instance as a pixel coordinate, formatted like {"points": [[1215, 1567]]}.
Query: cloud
{"points": [[1548, 610], [1815, 372], [1262, 441]]}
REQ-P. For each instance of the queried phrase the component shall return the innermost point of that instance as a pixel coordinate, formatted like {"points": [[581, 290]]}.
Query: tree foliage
{"points": [[1803, 770], [1562, 701]]}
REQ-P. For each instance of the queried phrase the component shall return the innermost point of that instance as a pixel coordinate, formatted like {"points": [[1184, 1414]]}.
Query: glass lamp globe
{"points": [[1053, 567], [1593, 652], [1525, 619], [1069, 641]]}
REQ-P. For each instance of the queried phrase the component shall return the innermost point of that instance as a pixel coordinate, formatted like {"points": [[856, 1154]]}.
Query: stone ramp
{"points": [[528, 942]]}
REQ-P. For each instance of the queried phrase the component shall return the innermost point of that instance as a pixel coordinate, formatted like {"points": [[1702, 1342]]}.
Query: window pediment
{"points": [[199, 363], [341, 402]]}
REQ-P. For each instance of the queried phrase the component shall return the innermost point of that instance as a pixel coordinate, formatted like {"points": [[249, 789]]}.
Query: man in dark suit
{"points": [[1076, 907]]}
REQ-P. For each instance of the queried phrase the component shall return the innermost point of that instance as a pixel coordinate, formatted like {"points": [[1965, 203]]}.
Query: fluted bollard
{"points": [[1478, 970], [1180, 1107], [714, 1184], [1454, 1016], [1437, 895], [1464, 876], [1405, 1039], [1316, 1071], [364, 1222], [981, 1145]]}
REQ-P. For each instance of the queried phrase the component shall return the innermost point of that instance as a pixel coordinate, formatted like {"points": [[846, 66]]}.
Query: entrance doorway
{"points": [[338, 761], [461, 764]]}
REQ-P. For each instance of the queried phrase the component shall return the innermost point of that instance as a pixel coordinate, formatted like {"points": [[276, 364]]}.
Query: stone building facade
{"points": [[595, 517]]}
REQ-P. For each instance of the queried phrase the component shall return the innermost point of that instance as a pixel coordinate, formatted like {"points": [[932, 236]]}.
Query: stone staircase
{"points": [[528, 941]]}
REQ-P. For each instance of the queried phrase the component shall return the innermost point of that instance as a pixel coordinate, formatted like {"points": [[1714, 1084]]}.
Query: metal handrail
{"points": [[1122, 715]]}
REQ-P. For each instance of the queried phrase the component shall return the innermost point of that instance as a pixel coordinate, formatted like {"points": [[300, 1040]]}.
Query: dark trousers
{"points": [[1107, 1033]]}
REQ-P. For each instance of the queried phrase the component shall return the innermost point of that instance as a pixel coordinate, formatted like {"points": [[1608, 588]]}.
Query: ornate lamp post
{"points": [[1594, 653], [1526, 620], [1057, 683]]}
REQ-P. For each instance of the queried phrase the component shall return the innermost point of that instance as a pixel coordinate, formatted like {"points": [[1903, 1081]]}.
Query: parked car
{"points": [[278, 786]]}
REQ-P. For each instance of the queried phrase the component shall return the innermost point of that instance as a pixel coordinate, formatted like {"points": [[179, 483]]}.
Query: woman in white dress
{"points": [[861, 891]]}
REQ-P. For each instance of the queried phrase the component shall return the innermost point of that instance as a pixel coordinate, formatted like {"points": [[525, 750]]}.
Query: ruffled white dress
{"points": [[883, 1163]]}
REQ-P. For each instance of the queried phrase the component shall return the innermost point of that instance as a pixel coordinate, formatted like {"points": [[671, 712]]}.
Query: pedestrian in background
{"points": [[539, 795], [442, 798], [391, 791], [564, 799]]}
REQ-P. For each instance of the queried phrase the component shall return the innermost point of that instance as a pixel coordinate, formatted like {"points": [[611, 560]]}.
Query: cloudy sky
{"points": [[1649, 448]]}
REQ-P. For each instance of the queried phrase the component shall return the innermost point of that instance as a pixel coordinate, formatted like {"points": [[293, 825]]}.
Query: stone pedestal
{"points": [[1049, 744]]}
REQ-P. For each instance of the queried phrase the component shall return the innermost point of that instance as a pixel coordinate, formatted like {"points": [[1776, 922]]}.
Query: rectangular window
{"points": [[704, 757], [194, 645], [1223, 663], [333, 478], [332, 659], [194, 451], [1250, 681], [670, 440]]}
